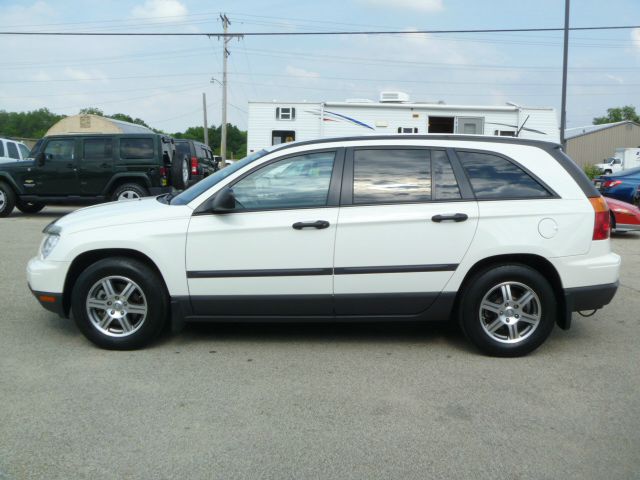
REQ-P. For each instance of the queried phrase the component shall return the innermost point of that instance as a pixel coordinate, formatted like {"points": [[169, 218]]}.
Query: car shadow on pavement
{"points": [[383, 333]]}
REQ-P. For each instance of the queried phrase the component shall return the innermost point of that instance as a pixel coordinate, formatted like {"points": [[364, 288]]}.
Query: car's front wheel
{"points": [[119, 303], [507, 310]]}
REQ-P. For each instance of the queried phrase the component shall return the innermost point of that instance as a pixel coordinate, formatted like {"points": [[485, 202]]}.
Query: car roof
{"points": [[449, 137]]}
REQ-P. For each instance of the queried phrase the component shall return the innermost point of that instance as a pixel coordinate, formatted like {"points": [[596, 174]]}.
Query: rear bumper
{"points": [[589, 298], [153, 191]]}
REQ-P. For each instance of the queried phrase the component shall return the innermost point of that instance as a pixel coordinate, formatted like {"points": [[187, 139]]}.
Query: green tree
{"points": [[32, 124], [91, 111], [618, 114]]}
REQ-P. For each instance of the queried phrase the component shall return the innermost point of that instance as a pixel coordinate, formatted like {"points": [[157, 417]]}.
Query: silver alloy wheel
{"points": [[116, 306], [185, 171], [128, 195], [510, 312], [3, 200]]}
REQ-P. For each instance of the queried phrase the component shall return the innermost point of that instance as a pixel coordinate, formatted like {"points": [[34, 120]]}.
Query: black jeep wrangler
{"points": [[86, 169]]}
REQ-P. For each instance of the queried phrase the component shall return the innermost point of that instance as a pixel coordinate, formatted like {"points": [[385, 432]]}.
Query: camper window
{"points": [[407, 129], [285, 113]]}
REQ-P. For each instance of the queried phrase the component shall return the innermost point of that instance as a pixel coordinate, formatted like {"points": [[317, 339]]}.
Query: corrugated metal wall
{"points": [[596, 146]]}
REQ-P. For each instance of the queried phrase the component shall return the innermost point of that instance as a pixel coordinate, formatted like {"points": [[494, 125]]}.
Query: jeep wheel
{"points": [[119, 304], [129, 191], [507, 310], [7, 200], [180, 172], [29, 207]]}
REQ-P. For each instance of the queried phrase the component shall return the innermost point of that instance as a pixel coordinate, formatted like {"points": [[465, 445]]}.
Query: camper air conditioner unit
{"points": [[394, 97]]}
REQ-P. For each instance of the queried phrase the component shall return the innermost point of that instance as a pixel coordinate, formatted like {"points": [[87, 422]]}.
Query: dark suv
{"points": [[85, 169], [196, 161]]}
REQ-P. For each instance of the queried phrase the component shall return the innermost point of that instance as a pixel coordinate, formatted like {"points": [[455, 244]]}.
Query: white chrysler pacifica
{"points": [[505, 236]]}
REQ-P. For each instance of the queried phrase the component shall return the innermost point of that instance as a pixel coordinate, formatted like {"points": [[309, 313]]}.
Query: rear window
{"points": [[23, 150], [183, 148], [494, 177], [141, 148]]}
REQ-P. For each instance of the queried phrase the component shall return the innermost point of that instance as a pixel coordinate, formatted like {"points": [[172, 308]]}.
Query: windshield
{"points": [[35, 148], [202, 186]]}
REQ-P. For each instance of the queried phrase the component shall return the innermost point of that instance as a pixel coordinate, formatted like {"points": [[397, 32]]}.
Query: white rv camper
{"points": [[276, 122]]}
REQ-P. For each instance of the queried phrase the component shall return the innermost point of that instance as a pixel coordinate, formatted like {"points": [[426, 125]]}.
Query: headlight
{"points": [[49, 243]]}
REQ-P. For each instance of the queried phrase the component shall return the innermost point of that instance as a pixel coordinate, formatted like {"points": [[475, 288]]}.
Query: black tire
{"points": [[7, 200], [180, 171], [513, 334], [148, 291], [29, 207], [129, 191]]}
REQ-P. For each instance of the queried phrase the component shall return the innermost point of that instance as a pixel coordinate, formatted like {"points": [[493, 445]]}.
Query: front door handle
{"points": [[319, 224], [452, 217]]}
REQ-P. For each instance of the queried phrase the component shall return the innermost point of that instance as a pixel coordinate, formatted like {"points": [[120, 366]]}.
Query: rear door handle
{"points": [[319, 224], [452, 217]]}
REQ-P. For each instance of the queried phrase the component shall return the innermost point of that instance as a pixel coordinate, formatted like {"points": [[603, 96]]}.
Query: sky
{"points": [[162, 79]]}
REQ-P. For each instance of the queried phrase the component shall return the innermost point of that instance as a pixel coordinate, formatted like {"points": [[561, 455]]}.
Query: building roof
{"points": [[579, 131], [94, 124]]}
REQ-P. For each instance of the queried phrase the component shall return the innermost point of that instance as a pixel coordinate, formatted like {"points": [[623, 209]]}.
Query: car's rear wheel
{"points": [[119, 304], [29, 207], [7, 200], [129, 191], [507, 310]]}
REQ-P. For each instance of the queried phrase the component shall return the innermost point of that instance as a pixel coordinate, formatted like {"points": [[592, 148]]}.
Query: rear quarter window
{"points": [[495, 177], [139, 148]]}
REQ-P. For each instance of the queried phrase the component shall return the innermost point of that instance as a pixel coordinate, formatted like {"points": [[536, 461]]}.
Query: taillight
{"points": [[602, 224], [194, 165], [163, 172], [611, 183]]}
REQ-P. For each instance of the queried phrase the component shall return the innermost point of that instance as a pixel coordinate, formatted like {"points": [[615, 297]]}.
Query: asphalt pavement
{"points": [[365, 401]]}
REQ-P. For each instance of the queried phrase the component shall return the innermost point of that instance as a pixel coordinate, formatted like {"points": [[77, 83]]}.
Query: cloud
{"points": [[420, 5], [616, 79], [301, 72], [160, 10], [78, 74]]}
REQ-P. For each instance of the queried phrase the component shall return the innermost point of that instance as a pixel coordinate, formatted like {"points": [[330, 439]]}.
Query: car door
{"points": [[273, 253], [58, 175], [405, 224], [96, 164]]}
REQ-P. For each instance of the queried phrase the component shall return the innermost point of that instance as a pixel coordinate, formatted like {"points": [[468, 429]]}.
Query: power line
{"points": [[323, 33]]}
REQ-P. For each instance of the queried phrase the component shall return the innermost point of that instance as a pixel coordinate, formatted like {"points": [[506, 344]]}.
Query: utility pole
{"points": [[563, 107], [206, 128], [225, 54]]}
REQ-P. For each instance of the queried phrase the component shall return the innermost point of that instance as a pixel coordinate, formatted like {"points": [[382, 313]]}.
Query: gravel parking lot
{"points": [[314, 401]]}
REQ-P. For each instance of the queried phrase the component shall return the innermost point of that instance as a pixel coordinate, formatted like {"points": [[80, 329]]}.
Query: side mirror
{"points": [[40, 158], [224, 201]]}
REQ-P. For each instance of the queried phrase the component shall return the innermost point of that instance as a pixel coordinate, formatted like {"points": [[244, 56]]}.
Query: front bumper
{"points": [[50, 301]]}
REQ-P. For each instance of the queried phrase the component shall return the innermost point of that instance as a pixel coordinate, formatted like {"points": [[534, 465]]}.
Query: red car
{"points": [[624, 216]]}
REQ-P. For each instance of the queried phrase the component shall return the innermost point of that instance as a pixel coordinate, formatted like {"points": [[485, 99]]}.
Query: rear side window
{"points": [[494, 177], [1, 148], [12, 150], [136, 148], [24, 150], [391, 176], [446, 186], [98, 148]]}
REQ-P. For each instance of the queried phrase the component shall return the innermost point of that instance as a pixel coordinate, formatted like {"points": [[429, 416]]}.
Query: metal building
{"points": [[591, 144]]}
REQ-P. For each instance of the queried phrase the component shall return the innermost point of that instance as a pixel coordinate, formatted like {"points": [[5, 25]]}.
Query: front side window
{"points": [[98, 148], [494, 177], [295, 182], [391, 176], [1, 148], [141, 148], [12, 150], [60, 150]]}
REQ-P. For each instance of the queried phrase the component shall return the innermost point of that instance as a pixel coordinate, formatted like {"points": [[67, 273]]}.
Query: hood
{"points": [[124, 212]]}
